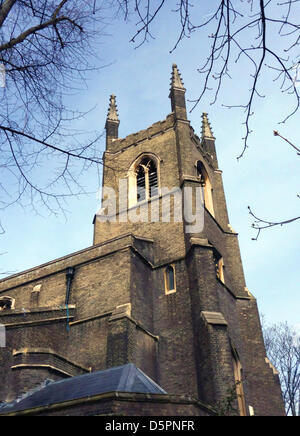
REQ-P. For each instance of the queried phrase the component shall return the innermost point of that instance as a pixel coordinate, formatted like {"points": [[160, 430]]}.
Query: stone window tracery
{"points": [[143, 179]]}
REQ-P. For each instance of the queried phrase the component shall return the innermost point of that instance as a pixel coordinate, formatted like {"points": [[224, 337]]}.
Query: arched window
{"points": [[143, 179], [170, 281], [6, 303], [205, 182]]}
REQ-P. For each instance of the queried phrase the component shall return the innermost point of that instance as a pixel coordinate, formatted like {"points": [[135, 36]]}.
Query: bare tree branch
{"points": [[46, 48], [5, 10], [260, 224], [282, 344], [276, 133], [240, 32]]}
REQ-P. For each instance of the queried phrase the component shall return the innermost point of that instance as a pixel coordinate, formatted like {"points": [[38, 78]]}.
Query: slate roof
{"points": [[126, 378]]}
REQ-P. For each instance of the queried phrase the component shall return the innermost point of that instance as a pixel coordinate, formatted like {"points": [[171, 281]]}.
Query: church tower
{"points": [[191, 292], [155, 317]]}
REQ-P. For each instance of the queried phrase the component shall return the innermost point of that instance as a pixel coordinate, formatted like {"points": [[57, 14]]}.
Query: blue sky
{"points": [[266, 178]]}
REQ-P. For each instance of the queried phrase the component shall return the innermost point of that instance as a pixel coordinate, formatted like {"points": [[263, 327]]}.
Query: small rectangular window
{"points": [[170, 280]]}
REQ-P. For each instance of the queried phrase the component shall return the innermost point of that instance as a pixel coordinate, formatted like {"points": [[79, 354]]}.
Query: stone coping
{"points": [[50, 352], [74, 259]]}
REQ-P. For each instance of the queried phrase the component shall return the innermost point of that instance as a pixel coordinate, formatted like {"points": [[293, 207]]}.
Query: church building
{"points": [[155, 317]]}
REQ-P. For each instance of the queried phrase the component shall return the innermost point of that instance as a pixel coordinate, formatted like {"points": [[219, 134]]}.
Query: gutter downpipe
{"points": [[69, 276]]}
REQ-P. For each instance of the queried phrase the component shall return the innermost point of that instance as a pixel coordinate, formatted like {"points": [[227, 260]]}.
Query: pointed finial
{"points": [[112, 122], [177, 95], [112, 114], [176, 81], [206, 128]]}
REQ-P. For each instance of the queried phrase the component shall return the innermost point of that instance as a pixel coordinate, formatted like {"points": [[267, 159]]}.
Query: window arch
{"points": [[205, 182], [143, 179], [6, 303], [170, 280]]}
